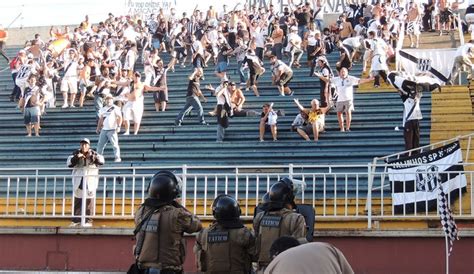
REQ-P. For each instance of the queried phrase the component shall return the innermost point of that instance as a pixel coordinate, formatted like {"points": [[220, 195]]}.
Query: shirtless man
{"points": [[133, 109], [413, 27]]}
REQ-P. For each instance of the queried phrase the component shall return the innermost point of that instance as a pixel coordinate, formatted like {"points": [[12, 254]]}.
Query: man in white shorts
{"points": [[133, 109], [70, 78], [345, 88]]}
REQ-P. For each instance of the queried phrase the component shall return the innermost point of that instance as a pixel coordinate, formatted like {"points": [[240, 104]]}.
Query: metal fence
{"points": [[358, 192]]}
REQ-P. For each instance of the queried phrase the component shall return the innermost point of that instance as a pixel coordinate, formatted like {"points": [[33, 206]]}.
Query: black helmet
{"points": [[266, 198], [282, 191], [225, 207], [165, 186]]}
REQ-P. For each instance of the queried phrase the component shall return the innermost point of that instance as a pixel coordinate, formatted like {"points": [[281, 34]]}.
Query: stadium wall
{"points": [[412, 251]]}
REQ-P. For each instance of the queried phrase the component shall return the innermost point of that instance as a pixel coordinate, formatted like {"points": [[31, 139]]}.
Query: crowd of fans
{"points": [[93, 61]]}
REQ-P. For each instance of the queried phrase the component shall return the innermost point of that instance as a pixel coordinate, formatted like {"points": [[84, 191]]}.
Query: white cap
{"points": [[30, 56]]}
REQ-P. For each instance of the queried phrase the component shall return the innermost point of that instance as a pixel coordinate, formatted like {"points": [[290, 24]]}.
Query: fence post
{"points": [[290, 171], [85, 178], [368, 204], [184, 186]]}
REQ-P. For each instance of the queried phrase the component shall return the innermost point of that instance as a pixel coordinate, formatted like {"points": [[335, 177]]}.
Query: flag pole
{"points": [[447, 252]]}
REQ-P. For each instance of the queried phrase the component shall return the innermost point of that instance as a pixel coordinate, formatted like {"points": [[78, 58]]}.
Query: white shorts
{"points": [[133, 111], [69, 84]]}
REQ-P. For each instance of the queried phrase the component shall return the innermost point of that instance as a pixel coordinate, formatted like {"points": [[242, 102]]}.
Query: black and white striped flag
{"points": [[415, 179], [447, 221]]}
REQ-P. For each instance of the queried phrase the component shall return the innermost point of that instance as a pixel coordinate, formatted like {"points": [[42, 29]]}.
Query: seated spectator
{"points": [[311, 258], [315, 122], [300, 120], [268, 122], [237, 99]]}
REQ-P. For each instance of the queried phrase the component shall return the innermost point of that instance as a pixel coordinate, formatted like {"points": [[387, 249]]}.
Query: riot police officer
{"points": [[227, 246], [160, 223], [279, 218]]}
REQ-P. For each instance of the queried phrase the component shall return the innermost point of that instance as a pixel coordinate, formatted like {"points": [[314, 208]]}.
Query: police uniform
{"points": [[160, 242], [221, 249], [270, 225]]}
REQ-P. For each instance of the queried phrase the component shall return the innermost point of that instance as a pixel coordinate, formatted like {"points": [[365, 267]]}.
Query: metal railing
{"points": [[357, 192]]}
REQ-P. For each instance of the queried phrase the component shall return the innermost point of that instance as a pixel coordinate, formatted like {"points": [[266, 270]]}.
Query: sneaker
{"points": [[72, 106], [73, 224], [183, 66], [204, 123], [178, 124], [212, 113], [65, 106], [117, 160], [88, 224], [126, 133]]}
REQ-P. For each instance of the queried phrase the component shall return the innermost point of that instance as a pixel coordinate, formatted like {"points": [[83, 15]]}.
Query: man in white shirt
{"points": [[294, 47], [281, 75], [462, 61], [70, 78], [345, 88], [110, 119]]}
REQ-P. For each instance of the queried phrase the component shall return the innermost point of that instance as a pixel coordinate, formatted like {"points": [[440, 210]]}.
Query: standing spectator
{"points": [[223, 59], [324, 74], [462, 62], [198, 54], [160, 223], [346, 28], [277, 36], [232, 253], [315, 120], [318, 14], [15, 65], [294, 47], [310, 258], [378, 56], [281, 75], [84, 162], [133, 109], [315, 49], [31, 106], [70, 78], [223, 110], [428, 15], [240, 52], [344, 85], [345, 60], [131, 56], [26, 69], [255, 68], [413, 24], [268, 122], [193, 96], [110, 119], [161, 96], [310, 41], [303, 17]]}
